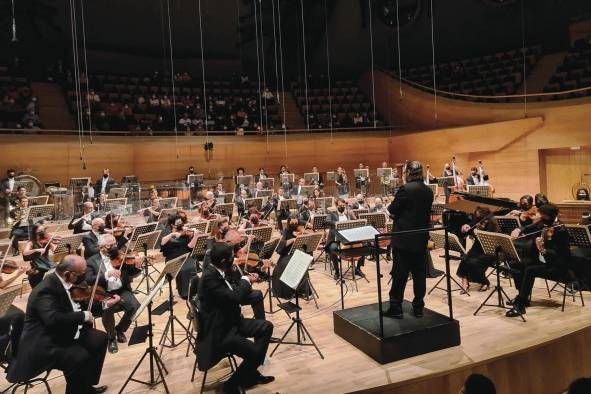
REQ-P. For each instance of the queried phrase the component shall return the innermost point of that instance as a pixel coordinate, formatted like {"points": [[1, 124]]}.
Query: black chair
{"points": [[569, 282], [6, 358]]}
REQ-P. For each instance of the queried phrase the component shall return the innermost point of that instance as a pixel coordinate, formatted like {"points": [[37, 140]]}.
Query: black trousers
{"points": [[332, 251], [12, 322], [257, 301], [128, 305], [404, 262], [526, 280], [252, 353], [188, 270], [82, 362], [19, 234]]}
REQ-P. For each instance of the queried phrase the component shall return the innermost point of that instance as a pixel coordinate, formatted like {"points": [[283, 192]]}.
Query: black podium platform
{"points": [[403, 338]]}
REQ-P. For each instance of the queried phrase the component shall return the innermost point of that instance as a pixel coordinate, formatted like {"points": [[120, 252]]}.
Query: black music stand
{"points": [[172, 267], [479, 190], [68, 244], [257, 202], [140, 334], [579, 235], [308, 243], [262, 234], [225, 209], [165, 213], [200, 248], [38, 213], [494, 244], [200, 227], [229, 198], [292, 276], [142, 229], [143, 243], [265, 254], [508, 223], [344, 226], [453, 245]]}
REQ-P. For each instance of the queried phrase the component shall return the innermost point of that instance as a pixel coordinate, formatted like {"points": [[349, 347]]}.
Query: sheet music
{"points": [[296, 269], [358, 234]]}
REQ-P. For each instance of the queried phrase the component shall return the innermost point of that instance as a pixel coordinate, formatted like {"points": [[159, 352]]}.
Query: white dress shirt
{"points": [[11, 183], [113, 283], [75, 306], [104, 185]]}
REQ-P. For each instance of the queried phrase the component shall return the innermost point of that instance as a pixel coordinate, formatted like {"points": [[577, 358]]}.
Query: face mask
{"points": [[11, 176], [105, 176], [341, 209], [379, 206], [41, 234], [101, 229], [179, 227], [236, 248], [360, 201], [79, 279], [524, 207], [254, 220], [113, 252], [548, 221]]}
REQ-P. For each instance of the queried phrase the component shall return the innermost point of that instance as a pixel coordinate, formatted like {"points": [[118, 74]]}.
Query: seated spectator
{"points": [[244, 79], [159, 124], [165, 103], [93, 98], [112, 110], [31, 117], [357, 120], [141, 100], [580, 386], [154, 104], [267, 95], [101, 122], [31, 126], [185, 121], [32, 105], [478, 384]]}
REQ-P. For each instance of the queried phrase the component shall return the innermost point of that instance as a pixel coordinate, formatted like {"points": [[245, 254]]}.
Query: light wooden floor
{"points": [[345, 369]]}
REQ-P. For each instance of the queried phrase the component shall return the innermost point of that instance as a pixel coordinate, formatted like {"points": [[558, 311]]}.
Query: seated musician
{"points": [[152, 213], [288, 237], [285, 183], [361, 182], [115, 226], [90, 239], [551, 252], [209, 201], [81, 222], [341, 183], [281, 213], [474, 177], [239, 186], [331, 246], [224, 330], [360, 202], [298, 191], [100, 203], [320, 182], [36, 252], [20, 228], [20, 191], [176, 241], [305, 212], [473, 266], [219, 190], [527, 210], [241, 203], [115, 281], [11, 323], [58, 335], [317, 193]]}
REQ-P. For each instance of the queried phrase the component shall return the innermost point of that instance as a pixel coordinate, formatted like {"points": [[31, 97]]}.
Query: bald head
{"points": [[71, 268], [97, 224], [209, 195], [107, 240], [233, 237]]}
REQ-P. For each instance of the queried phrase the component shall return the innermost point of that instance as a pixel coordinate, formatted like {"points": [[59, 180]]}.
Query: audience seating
{"points": [[573, 73], [18, 107]]}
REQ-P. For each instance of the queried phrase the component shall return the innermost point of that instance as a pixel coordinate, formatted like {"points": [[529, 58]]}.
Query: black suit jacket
{"points": [[332, 219], [558, 254], [219, 314], [50, 323], [90, 242], [92, 268], [411, 209], [99, 184], [78, 226]]}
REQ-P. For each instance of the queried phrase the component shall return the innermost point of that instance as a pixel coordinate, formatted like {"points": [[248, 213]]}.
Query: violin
{"points": [[129, 258], [84, 292], [10, 267]]}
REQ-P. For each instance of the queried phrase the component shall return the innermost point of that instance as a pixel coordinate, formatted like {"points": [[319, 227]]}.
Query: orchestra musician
{"points": [[152, 213], [342, 214], [361, 182], [105, 183], [411, 210], [20, 228], [527, 212], [114, 225], [114, 281], [474, 177], [473, 266], [90, 239], [219, 190], [176, 241], [100, 203], [7, 184], [239, 187], [20, 191], [342, 183], [298, 191], [360, 202], [320, 182], [260, 175], [240, 202], [379, 207], [306, 212], [81, 222], [224, 330], [37, 251], [58, 335], [550, 251], [11, 323], [285, 183]]}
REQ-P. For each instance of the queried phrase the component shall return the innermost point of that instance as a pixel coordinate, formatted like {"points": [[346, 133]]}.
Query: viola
{"points": [[83, 292], [10, 266], [131, 258]]}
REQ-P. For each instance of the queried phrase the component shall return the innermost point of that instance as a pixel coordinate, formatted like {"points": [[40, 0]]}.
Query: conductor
{"points": [[411, 210]]}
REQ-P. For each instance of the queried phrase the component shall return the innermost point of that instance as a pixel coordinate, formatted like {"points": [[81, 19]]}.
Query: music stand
{"points": [[319, 222], [141, 229], [289, 204], [142, 244], [163, 217], [147, 331], [266, 253], [244, 180], [307, 243], [287, 178], [378, 220], [195, 180], [479, 190], [579, 235], [168, 202], [292, 276], [117, 192], [112, 203], [38, 200], [434, 188], [200, 246], [201, 227], [257, 202], [268, 183], [360, 211], [308, 190], [454, 245], [393, 183], [169, 272], [508, 223], [310, 177], [7, 297], [437, 209], [129, 179], [384, 172], [224, 209], [262, 233], [331, 176], [229, 198], [264, 193], [494, 244], [78, 183], [39, 211], [69, 243], [446, 181], [361, 173]]}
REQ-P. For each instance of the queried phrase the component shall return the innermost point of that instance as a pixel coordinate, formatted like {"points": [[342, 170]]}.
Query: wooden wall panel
{"points": [[564, 168]]}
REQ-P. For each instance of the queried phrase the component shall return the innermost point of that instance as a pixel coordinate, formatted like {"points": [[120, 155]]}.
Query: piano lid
{"points": [[470, 202]]}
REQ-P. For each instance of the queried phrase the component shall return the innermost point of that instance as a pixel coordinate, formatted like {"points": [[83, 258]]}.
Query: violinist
{"points": [[360, 202], [81, 222], [20, 228], [58, 335], [527, 210], [209, 201], [37, 251], [114, 281], [176, 241], [552, 254], [90, 239], [473, 266], [152, 213], [115, 226]]}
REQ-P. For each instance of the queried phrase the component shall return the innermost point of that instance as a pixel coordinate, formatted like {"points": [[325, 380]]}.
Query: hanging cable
{"points": [[256, 26], [239, 25], [75, 61], [373, 78], [263, 66], [433, 61], [282, 80], [305, 66], [176, 133], [205, 103], [398, 45], [328, 72], [275, 52], [86, 72], [524, 60]]}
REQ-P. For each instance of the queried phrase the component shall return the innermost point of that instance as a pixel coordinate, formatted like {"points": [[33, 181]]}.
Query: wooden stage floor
{"points": [[300, 370]]}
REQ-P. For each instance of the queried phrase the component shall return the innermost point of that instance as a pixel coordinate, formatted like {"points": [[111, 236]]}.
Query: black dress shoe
{"points": [[258, 379], [418, 312], [336, 276], [515, 311], [121, 338], [230, 389], [393, 312], [358, 272], [514, 300], [112, 347], [98, 389]]}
